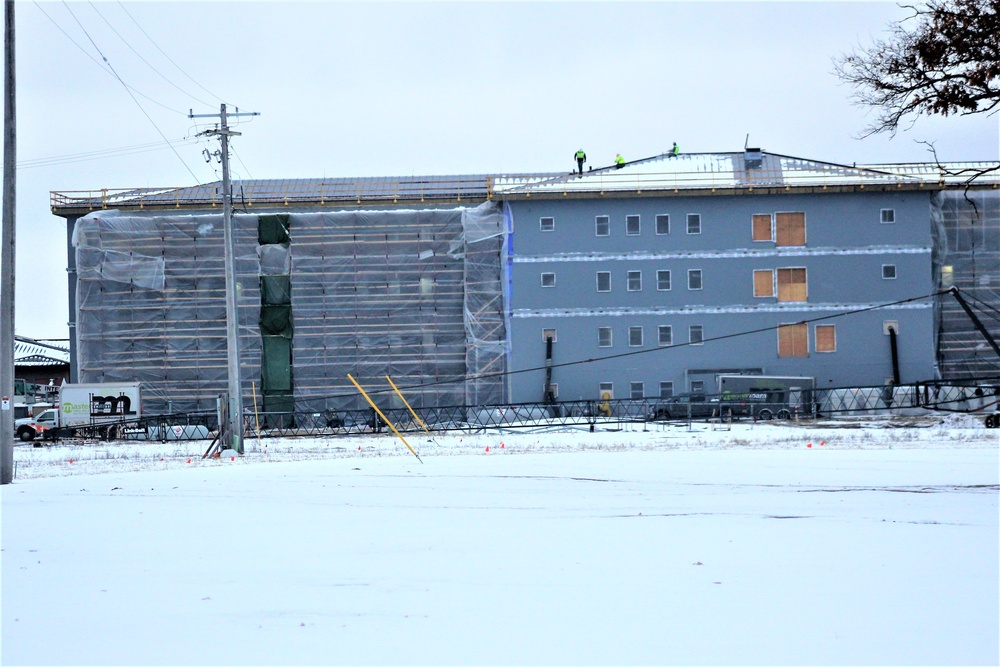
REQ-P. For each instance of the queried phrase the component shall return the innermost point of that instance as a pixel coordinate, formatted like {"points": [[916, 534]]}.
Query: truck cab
{"points": [[27, 428]]}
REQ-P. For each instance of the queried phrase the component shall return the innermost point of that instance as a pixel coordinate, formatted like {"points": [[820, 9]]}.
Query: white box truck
{"points": [[84, 406]]}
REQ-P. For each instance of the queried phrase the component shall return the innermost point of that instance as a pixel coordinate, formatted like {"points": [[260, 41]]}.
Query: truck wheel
{"points": [[993, 421], [764, 415], [784, 414], [26, 434]]}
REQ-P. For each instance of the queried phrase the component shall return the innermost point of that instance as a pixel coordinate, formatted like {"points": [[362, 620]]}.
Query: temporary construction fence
{"points": [[415, 294], [821, 404]]}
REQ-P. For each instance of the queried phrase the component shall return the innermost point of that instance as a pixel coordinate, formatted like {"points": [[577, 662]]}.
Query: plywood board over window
{"points": [[790, 229], [793, 340], [826, 338], [762, 230], [792, 285], [763, 282]]}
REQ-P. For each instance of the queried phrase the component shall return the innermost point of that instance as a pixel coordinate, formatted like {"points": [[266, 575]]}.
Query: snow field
{"points": [[665, 547]]}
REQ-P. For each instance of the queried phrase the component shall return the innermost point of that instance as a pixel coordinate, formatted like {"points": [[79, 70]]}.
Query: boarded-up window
{"points": [[762, 227], [792, 285], [790, 229], [826, 338], [763, 282], [793, 340]]}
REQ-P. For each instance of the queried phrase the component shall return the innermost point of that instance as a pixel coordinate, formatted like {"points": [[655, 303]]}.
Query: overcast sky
{"points": [[378, 89]]}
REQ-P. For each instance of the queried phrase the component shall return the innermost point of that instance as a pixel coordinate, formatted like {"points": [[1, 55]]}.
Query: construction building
{"points": [[656, 276]]}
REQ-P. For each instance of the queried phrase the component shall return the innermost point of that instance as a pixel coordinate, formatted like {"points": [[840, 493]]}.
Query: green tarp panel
{"points": [[275, 290], [276, 321], [272, 229], [279, 409], [275, 364]]}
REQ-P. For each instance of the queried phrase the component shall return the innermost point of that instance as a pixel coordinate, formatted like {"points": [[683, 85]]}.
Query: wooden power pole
{"points": [[7, 253]]}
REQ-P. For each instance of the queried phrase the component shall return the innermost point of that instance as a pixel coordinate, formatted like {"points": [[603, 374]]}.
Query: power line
{"points": [[148, 117], [105, 69], [138, 55], [101, 154], [165, 54], [679, 346]]}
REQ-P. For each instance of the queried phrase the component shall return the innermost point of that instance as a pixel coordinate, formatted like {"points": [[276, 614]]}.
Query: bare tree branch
{"points": [[943, 59]]}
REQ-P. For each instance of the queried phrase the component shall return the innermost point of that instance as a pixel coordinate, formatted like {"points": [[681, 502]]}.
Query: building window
{"points": [[763, 230], [636, 390], [826, 338], [553, 388], [696, 334], [632, 225], [606, 390], [790, 229], [549, 333], [763, 283], [548, 280], [792, 285], [602, 225], [663, 280], [635, 336], [697, 386], [662, 224], [694, 278], [635, 281], [603, 336], [888, 216], [666, 389], [793, 340], [665, 335], [694, 223], [888, 272], [603, 281], [547, 224]]}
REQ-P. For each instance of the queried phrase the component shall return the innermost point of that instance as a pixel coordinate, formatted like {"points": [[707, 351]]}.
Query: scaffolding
{"points": [[412, 294], [966, 229]]}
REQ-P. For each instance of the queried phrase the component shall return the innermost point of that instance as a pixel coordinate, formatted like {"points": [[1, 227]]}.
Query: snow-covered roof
{"points": [[31, 352], [745, 170]]}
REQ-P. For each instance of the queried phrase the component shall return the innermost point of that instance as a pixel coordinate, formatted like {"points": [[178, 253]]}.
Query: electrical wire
{"points": [[165, 54], [148, 117], [105, 69], [139, 56], [679, 346], [100, 154]]}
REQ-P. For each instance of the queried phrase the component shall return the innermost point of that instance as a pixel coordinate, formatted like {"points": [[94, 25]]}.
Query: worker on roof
{"points": [[581, 157], [675, 151], [619, 161]]}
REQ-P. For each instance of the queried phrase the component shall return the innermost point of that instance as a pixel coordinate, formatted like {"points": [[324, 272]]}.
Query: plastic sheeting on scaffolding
{"points": [[413, 294], [966, 229]]}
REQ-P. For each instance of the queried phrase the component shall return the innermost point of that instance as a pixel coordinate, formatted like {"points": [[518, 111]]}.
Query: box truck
{"points": [[97, 405], [767, 396]]}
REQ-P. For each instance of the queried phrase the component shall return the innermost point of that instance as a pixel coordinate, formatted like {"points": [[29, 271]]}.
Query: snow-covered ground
{"points": [[837, 543]]}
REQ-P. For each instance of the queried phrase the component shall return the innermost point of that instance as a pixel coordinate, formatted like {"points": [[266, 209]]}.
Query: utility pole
{"points": [[232, 307], [7, 252]]}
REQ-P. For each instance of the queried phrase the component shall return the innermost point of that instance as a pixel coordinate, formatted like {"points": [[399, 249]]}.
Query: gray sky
{"points": [[379, 89]]}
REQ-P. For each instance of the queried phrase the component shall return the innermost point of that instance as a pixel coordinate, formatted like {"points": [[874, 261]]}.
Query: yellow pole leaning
{"points": [[256, 414], [407, 404], [375, 407]]}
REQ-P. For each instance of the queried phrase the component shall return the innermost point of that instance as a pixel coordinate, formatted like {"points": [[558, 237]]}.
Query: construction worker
{"points": [[619, 161], [675, 151], [581, 157]]}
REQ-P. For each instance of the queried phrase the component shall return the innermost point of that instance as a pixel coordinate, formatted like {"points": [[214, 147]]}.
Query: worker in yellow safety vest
{"points": [[581, 157], [619, 161], [675, 151]]}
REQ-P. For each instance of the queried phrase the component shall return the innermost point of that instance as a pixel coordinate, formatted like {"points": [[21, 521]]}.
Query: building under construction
{"points": [[453, 286]]}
